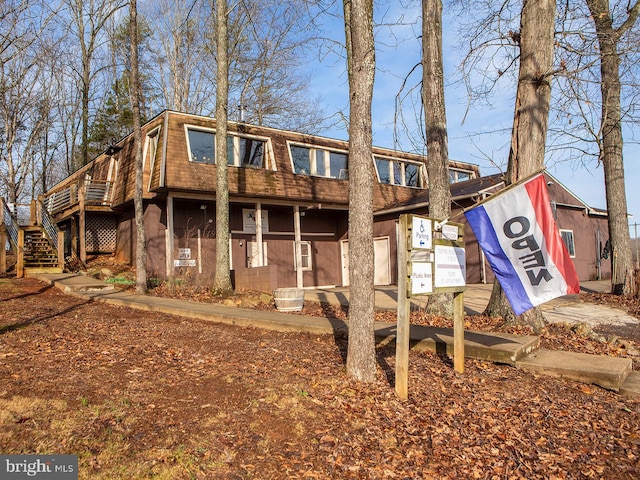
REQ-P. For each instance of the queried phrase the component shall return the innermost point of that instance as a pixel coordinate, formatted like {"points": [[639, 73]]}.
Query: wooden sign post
{"points": [[431, 259]]}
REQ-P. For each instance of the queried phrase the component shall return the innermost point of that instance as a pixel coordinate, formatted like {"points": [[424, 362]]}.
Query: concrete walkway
{"points": [[520, 351], [568, 309]]}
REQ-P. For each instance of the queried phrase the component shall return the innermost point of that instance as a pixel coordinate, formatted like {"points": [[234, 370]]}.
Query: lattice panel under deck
{"points": [[101, 233]]}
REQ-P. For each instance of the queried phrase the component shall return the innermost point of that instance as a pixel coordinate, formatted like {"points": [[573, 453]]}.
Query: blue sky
{"points": [[397, 55]]}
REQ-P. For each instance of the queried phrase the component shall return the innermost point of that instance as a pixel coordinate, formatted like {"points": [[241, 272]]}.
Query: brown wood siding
{"points": [[155, 164], [100, 168], [125, 238], [585, 228], [155, 227], [124, 187], [320, 227], [181, 175], [284, 184]]}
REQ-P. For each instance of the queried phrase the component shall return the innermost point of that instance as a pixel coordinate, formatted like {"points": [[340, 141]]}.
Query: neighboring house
{"points": [[583, 229], [283, 187]]}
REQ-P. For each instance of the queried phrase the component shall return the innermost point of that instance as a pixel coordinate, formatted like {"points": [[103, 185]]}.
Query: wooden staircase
{"points": [[39, 255]]}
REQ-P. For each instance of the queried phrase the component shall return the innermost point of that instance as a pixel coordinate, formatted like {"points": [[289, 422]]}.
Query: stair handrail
{"points": [[49, 228], [10, 223]]}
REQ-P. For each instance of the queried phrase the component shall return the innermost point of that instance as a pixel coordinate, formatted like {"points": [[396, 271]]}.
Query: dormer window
{"points": [[319, 161], [394, 171], [456, 175], [201, 146], [242, 151]]}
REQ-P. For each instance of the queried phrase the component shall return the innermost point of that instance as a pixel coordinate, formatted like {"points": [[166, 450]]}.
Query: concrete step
{"points": [[496, 347], [34, 271], [631, 386], [72, 282], [607, 372]]}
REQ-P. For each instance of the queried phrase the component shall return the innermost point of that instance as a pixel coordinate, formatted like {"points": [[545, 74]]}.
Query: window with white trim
{"points": [[242, 151], [456, 175], [305, 256], [319, 162], [151, 146], [567, 238], [394, 171], [201, 146]]}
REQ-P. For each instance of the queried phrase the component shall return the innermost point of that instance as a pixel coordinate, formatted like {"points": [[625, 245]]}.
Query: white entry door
{"points": [[382, 274], [382, 271], [344, 253]]}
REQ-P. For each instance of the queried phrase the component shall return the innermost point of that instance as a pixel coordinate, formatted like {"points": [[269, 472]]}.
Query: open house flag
{"points": [[518, 235]]}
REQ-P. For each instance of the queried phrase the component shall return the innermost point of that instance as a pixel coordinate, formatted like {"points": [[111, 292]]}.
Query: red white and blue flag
{"points": [[518, 235]]}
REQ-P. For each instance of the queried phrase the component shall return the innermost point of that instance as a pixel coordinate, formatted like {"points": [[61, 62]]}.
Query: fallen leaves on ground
{"points": [[618, 341], [137, 394]]}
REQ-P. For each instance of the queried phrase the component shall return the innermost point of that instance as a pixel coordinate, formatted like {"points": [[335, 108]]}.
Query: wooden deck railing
{"points": [[96, 192], [10, 223]]}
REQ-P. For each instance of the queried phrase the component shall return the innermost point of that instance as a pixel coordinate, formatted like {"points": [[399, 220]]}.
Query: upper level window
{"points": [[150, 150], [319, 162], [399, 172], [242, 151], [151, 146], [338, 164], [250, 152], [201, 146], [459, 175]]}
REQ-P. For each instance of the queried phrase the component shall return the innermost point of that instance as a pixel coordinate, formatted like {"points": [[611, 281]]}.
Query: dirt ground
{"points": [[143, 395]]}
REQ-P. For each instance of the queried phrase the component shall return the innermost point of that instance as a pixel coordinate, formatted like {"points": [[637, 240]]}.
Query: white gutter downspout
{"points": [[298, 247], [259, 235], [169, 237]]}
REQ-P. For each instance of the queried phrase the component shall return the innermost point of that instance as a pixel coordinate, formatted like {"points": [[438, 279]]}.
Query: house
{"points": [[583, 229], [285, 188]]}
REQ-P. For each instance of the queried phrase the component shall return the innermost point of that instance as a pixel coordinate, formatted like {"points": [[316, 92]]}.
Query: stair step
{"points": [[498, 347], [607, 372], [631, 386], [34, 271]]}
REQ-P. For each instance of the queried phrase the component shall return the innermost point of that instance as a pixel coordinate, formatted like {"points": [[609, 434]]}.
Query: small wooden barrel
{"points": [[289, 299]]}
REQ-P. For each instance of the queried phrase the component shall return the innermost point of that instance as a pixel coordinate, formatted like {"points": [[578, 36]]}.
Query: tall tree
{"points": [[358, 20], [269, 41], [21, 122], [24, 95], [435, 128], [184, 64], [611, 141], [136, 94], [113, 117], [222, 280], [266, 50], [530, 121], [89, 20]]}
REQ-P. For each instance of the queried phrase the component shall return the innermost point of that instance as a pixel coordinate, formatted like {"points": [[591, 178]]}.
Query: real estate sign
{"points": [[436, 262], [431, 259]]}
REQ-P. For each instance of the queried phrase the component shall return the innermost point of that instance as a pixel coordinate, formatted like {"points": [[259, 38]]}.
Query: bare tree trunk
{"points": [[530, 122], [622, 279], [89, 19], [222, 281], [141, 249], [84, 148], [436, 130], [358, 19]]}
